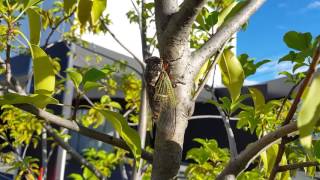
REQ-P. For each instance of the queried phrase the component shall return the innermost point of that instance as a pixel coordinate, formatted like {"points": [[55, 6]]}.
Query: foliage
{"points": [[208, 160], [104, 161], [16, 121]]}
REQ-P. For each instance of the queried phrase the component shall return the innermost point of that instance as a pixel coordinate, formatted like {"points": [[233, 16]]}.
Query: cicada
{"points": [[160, 92]]}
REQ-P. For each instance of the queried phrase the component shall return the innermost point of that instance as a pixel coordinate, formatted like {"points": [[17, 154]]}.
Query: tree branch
{"points": [[71, 125], [180, 24], [163, 10], [296, 166], [223, 34], [242, 161], [73, 152]]}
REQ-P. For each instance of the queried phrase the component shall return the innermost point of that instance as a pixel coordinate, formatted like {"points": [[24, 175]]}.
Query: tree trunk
{"points": [[171, 126], [169, 141]]}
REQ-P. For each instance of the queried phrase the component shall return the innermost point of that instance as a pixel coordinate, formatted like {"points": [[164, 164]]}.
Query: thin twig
{"points": [[73, 152], [53, 29], [122, 45], [305, 83], [8, 73], [211, 117], [289, 167]]}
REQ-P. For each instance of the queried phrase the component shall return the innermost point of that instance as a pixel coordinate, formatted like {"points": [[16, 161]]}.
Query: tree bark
{"points": [[169, 141]]}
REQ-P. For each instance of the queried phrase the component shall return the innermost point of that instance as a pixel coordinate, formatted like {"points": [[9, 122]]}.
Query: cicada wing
{"points": [[165, 96]]}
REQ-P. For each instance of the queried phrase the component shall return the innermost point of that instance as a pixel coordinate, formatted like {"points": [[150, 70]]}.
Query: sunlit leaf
{"points": [[75, 77], [222, 16], [89, 85], [258, 98], [75, 176], [34, 26], [44, 76], [129, 135], [235, 10], [43, 69], [309, 113], [232, 73], [268, 158], [97, 9], [38, 100]]}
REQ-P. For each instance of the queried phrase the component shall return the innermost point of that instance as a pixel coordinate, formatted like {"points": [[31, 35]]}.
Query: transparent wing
{"points": [[165, 95]]}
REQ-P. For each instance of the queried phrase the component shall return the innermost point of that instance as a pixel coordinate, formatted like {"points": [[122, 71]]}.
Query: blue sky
{"points": [[263, 37]]}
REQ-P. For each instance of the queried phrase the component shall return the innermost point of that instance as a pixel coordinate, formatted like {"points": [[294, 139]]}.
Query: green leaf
{"points": [[232, 73], [75, 176], [211, 20], [34, 26], [97, 9], [27, 4], [309, 113], [258, 99], [129, 135], [87, 174], [43, 69], [93, 75], [84, 12], [68, 5], [75, 77], [224, 13], [198, 154], [268, 157], [38, 100], [298, 41], [89, 85], [235, 9], [317, 150]]}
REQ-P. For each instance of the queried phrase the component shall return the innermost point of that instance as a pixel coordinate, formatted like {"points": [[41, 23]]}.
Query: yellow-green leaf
{"points": [[258, 98], [38, 100], [75, 77], [97, 9], [309, 113], [84, 11], [129, 135], [43, 69], [232, 73], [268, 158], [68, 5], [34, 26], [222, 16]]}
